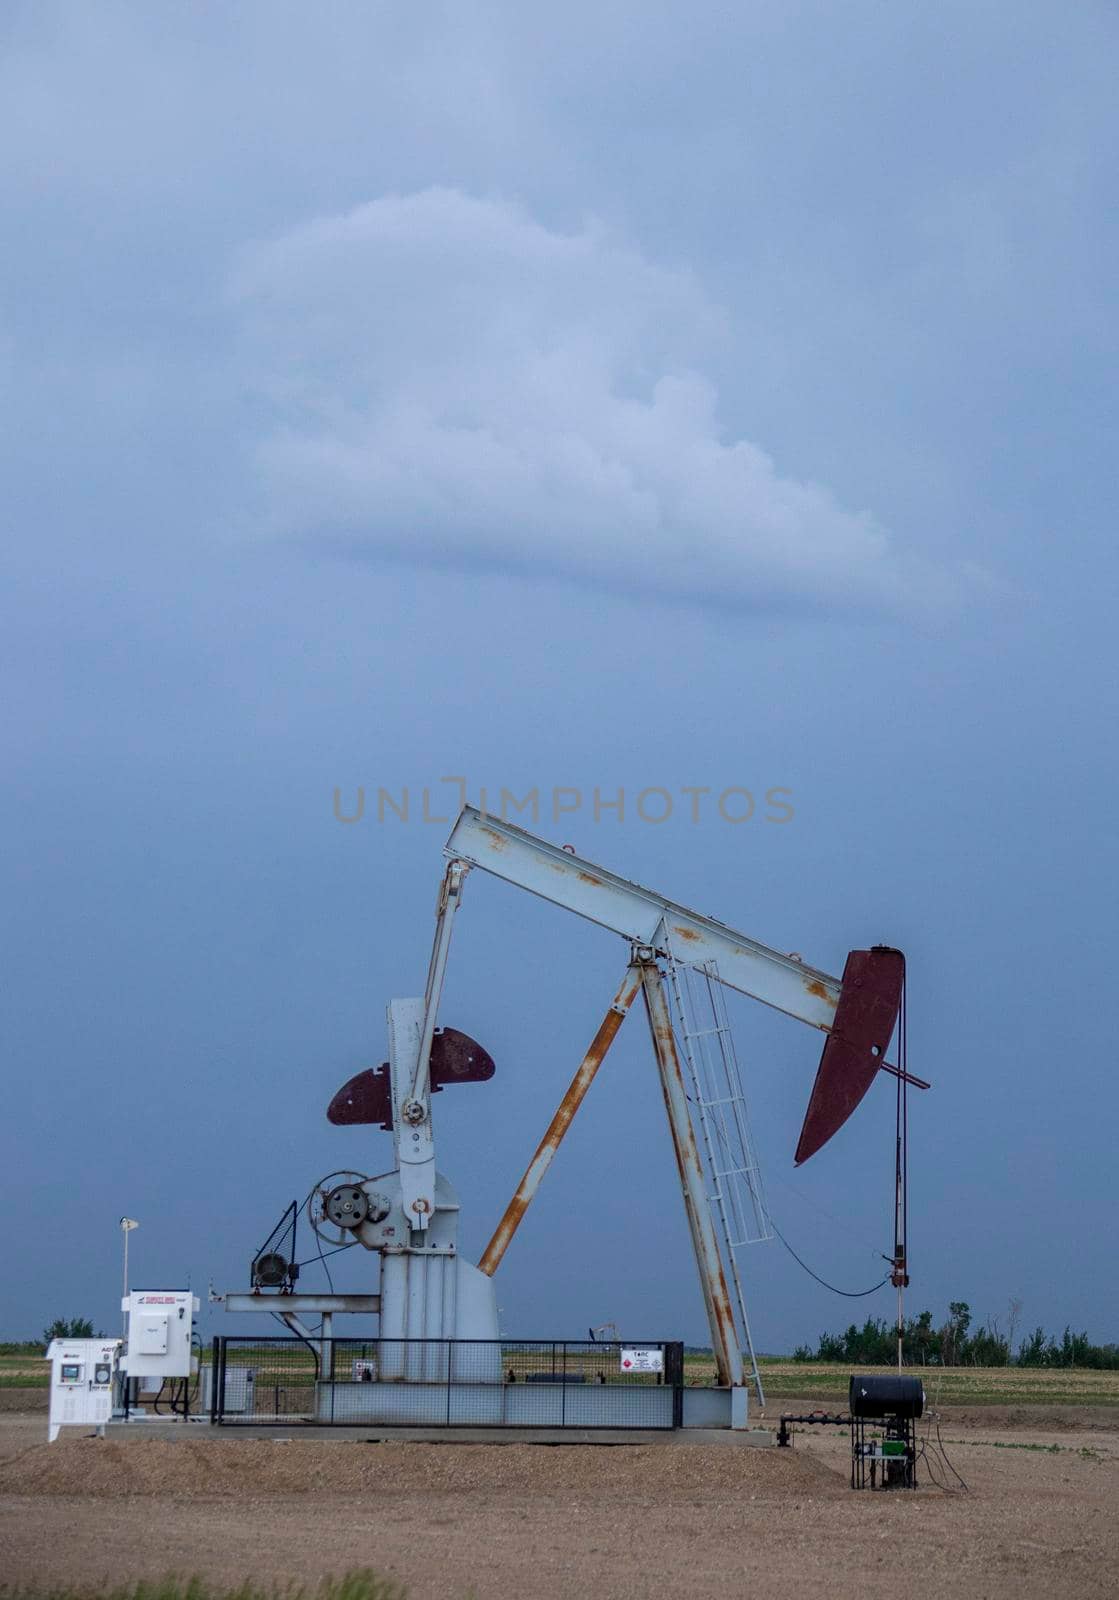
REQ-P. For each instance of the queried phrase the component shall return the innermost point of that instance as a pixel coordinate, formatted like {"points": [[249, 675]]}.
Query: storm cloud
{"points": [[451, 382]]}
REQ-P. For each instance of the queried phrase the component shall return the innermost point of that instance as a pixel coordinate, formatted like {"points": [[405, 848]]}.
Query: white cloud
{"points": [[452, 382]]}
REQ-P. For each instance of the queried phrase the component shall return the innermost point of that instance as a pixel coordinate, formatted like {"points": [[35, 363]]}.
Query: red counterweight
{"points": [[865, 1018], [367, 1097]]}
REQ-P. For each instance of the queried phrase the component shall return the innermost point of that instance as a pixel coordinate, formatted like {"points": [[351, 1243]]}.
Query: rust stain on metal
{"points": [[724, 1337], [589, 877], [565, 1112], [496, 840], [687, 933], [818, 989]]}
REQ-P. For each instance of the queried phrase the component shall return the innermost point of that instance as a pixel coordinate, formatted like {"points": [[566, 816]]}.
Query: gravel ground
{"points": [[454, 1520]]}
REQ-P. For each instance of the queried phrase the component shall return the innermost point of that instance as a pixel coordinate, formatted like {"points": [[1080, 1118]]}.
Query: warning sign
{"points": [[642, 1360]]}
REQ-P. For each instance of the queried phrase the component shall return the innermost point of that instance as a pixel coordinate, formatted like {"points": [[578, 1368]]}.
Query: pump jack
{"points": [[410, 1215]]}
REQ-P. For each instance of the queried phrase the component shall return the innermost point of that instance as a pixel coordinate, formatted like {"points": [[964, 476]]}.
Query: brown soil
{"points": [[37, 1399], [517, 1521], [261, 1468]]}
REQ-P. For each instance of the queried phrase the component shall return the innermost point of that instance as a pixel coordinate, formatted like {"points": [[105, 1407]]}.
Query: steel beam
{"points": [[716, 1295], [568, 1106], [643, 916], [312, 1304], [450, 898], [413, 1143]]}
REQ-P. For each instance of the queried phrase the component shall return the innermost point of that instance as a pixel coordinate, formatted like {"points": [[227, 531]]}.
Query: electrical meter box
{"points": [[149, 1335], [160, 1326], [82, 1375]]}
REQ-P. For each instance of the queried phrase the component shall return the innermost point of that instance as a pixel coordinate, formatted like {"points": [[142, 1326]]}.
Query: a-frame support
{"points": [[643, 973]]}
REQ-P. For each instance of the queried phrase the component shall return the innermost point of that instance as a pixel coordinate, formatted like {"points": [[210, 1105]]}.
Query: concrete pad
{"points": [[165, 1428]]}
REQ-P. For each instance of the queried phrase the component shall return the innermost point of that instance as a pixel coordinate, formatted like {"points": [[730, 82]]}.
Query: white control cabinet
{"points": [[82, 1373], [159, 1334]]}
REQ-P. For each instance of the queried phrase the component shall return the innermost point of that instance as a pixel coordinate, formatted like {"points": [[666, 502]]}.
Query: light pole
{"points": [[126, 1226]]}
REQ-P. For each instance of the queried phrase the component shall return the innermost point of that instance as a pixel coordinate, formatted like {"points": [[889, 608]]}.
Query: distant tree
{"points": [[953, 1335], [1013, 1318], [919, 1345], [987, 1348], [872, 1345], [953, 1344], [1076, 1351], [74, 1328], [1037, 1350]]}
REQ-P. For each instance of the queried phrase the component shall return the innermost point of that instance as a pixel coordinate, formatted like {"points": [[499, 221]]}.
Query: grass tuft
{"points": [[361, 1584]]}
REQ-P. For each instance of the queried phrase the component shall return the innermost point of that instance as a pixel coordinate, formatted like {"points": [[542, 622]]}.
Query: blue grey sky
{"points": [[628, 396]]}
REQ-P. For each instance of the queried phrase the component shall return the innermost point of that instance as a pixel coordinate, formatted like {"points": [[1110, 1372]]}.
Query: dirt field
{"points": [[498, 1522]]}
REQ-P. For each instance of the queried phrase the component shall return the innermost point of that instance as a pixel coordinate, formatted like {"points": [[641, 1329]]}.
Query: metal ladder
{"points": [[736, 1198]]}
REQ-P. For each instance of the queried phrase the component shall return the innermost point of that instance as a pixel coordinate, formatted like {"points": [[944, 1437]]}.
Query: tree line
{"points": [[954, 1343], [60, 1328]]}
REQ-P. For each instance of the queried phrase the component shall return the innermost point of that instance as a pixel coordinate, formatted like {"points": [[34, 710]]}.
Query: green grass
{"points": [[358, 1585], [24, 1368], [827, 1383], [818, 1382], [1084, 1452]]}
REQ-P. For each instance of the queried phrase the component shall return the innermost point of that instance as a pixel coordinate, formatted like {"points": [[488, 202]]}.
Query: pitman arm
{"points": [[411, 1031], [415, 1106]]}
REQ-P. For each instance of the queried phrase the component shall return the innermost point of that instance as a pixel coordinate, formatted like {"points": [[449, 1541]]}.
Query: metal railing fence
{"points": [[445, 1382]]}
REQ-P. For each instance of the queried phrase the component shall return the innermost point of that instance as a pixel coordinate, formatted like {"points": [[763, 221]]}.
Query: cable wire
{"points": [[337, 1251], [931, 1453], [806, 1199], [848, 1294], [315, 1231], [947, 1462], [322, 1262]]}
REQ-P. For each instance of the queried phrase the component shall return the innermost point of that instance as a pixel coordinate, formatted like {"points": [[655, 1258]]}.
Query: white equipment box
{"points": [[82, 1373], [237, 1396], [159, 1334]]}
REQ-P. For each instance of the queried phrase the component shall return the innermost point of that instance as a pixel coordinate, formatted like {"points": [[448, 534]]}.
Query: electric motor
{"points": [[272, 1270]]}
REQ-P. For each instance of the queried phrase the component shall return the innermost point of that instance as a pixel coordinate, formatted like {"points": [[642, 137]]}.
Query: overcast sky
{"points": [[627, 396]]}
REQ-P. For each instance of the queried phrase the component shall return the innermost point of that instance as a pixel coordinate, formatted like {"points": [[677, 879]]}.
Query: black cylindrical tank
{"points": [[886, 1395]]}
